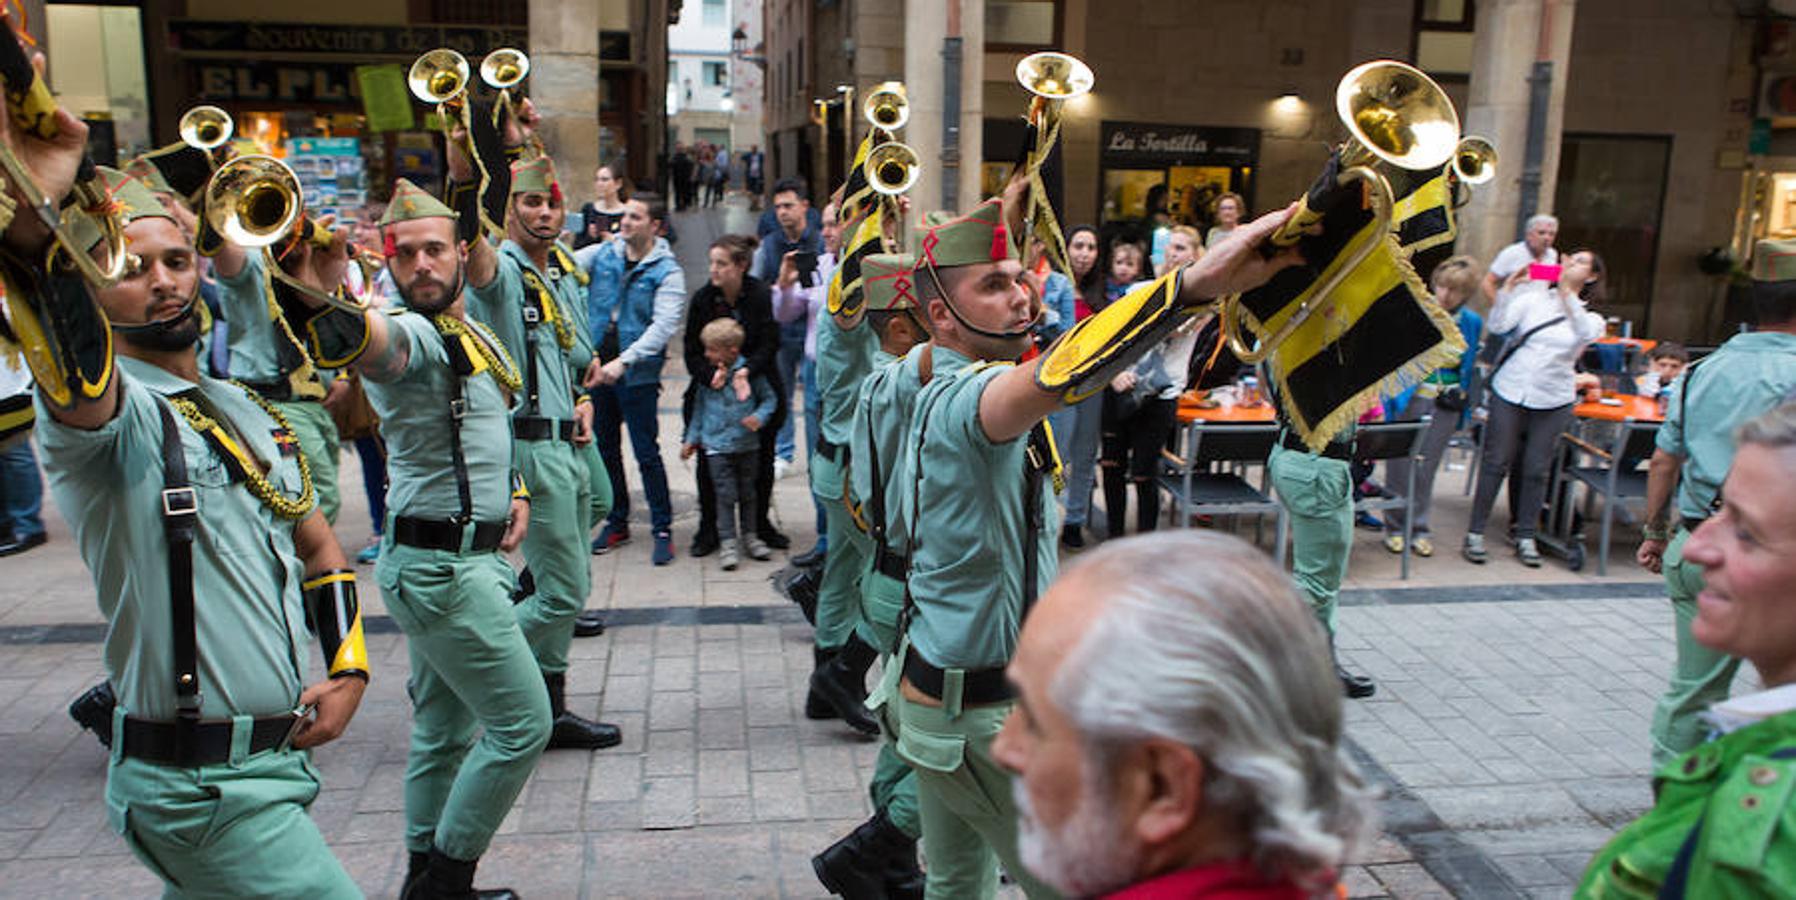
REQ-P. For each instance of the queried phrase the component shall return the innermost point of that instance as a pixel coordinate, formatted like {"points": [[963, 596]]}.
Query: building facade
{"points": [[700, 93], [1649, 127]]}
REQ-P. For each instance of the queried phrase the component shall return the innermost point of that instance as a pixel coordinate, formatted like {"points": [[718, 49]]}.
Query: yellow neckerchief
{"points": [[482, 350], [244, 465]]}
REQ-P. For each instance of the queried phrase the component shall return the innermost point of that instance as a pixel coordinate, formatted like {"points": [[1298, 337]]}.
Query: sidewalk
{"points": [[1509, 729]]}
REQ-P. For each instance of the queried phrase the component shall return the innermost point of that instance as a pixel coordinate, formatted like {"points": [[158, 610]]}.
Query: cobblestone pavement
{"points": [[1508, 732]]}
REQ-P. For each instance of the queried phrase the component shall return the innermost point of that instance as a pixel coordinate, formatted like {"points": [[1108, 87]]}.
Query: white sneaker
{"points": [[757, 549], [781, 468], [1528, 552], [726, 555]]}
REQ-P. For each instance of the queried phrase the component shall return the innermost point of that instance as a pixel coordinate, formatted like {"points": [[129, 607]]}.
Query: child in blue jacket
{"points": [[730, 406]]}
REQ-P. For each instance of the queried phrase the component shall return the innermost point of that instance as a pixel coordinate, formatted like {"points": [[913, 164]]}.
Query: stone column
{"points": [[564, 85], [1512, 35], [923, 79]]}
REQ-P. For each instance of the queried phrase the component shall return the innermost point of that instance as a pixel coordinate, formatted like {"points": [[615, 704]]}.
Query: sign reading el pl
{"points": [[276, 82]]}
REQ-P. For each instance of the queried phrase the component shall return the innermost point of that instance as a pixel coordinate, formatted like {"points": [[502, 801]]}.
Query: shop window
{"points": [[1442, 44], [716, 74], [714, 13], [1022, 24], [1611, 197]]}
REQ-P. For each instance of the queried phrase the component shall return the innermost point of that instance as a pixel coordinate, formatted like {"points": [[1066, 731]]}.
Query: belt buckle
{"points": [[532, 315], [458, 408], [180, 502]]}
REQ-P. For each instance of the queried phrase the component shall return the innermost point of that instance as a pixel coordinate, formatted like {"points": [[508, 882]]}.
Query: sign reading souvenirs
{"points": [[407, 41], [1130, 143]]}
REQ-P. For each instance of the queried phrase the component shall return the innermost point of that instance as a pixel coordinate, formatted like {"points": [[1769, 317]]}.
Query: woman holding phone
{"points": [[1533, 389]]}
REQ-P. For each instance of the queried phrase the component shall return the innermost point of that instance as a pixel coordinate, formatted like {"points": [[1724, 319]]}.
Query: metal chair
{"points": [[1197, 491], [1618, 479], [1385, 441]]}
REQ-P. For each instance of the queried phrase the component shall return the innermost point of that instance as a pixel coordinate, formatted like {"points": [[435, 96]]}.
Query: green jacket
{"points": [[1745, 801]]}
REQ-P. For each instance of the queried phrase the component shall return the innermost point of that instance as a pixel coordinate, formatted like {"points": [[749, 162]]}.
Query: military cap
{"points": [[142, 169], [536, 174], [1774, 260], [888, 284], [411, 202], [977, 237]]}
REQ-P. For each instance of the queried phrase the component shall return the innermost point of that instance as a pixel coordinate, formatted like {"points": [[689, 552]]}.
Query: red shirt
{"points": [[1237, 880]]}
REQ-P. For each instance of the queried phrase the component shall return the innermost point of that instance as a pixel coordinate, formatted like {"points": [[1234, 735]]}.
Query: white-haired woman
{"points": [[1178, 729], [1721, 823]]}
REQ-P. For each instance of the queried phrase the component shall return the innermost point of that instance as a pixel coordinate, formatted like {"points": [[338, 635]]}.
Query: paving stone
{"points": [[669, 803]]}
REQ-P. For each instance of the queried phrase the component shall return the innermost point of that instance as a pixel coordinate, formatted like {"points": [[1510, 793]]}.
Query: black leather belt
{"points": [[210, 744], [895, 566], [1333, 450], [977, 686], [429, 534], [537, 428], [830, 449], [1690, 525]]}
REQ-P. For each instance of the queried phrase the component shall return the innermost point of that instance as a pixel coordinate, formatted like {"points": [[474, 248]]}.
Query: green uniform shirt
{"points": [[844, 359], [249, 620], [881, 421], [501, 305], [1745, 378], [963, 495], [414, 420]]}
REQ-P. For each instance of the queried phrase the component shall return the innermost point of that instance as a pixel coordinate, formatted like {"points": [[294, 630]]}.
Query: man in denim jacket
{"points": [[634, 302]]}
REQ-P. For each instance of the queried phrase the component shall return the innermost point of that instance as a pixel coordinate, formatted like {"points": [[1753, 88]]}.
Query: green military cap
{"points": [[411, 202], [887, 282], [537, 174], [1774, 260], [977, 237], [128, 200], [145, 171]]}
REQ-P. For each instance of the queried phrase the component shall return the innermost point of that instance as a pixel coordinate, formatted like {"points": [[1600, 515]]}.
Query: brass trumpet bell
{"points": [[1055, 76], [1398, 114], [892, 168], [253, 200], [438, 76], [1474, 160], [504, 68], [887, 106], [206, 127]]}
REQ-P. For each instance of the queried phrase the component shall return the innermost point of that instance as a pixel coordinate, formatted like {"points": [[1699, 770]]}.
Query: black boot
{"points": [[842, 683], [572, 732], [800, 587], [812, 558], [589, 623], [1356, 687], [816, 707], [93, 711], [526, 587], [440, 877], [856, 866]]}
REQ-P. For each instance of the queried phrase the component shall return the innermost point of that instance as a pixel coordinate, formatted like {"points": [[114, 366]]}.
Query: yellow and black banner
{"points": [[858, 196], [846, 296], [1422, 216]]}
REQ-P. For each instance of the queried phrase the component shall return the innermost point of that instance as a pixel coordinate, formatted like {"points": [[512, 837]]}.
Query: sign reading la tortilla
{"points": [[199, 36], [1131, 143]]}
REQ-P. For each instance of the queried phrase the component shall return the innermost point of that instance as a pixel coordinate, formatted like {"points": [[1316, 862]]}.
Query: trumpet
{"points": [[206, 128], [504, 68], [1052, 78], [1474, 160], [1396, 117], [255, 202], [439, 76], [892, 168], [887, 106]]}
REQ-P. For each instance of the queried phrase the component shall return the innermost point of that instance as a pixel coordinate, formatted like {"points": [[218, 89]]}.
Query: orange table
{"points": [[1633, 406], [1642, 345], [1259, 413]]}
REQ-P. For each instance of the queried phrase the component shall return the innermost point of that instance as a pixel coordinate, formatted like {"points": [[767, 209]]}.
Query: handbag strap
{"points": [[1510, 347]]}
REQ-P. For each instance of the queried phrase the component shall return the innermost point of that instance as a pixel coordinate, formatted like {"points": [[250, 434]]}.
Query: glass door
{"points": [[1610, 198]]}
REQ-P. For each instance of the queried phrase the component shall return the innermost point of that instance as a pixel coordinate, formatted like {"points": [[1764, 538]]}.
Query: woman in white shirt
{"points": [[1533, 391]]}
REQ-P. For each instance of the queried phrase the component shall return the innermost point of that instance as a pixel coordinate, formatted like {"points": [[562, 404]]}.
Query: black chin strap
{"points": [[947, 301], [187, 312]]}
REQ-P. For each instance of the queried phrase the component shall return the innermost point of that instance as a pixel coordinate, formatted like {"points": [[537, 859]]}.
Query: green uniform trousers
{"points": [[1317, 493], [838, 597], [1700, 677], [472, 676], [555, 547], [894, 785], [598, 484], [964, 799], [236, 829], [317, 433]]}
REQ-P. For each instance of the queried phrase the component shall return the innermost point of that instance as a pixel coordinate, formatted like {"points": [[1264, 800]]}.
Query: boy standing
{"points": [[723, 424]]}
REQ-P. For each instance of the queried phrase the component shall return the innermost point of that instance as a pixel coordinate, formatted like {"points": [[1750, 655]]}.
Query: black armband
{"points": [[54, 316], [333, 613]]}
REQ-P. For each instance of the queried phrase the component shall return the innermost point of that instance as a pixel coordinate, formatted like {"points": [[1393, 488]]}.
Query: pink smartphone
{"points": [[1544, 271]]}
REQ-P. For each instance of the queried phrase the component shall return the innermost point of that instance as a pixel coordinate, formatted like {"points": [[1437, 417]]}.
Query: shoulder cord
{"points": [[242, 466]]}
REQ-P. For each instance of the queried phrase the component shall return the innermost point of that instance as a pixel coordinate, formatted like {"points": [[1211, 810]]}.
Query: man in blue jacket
{"points": [[634, 302]]}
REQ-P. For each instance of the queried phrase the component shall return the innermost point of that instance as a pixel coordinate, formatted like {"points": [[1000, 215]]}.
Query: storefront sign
{"points": [[284, 83], [240, 38], [1135, 143]]}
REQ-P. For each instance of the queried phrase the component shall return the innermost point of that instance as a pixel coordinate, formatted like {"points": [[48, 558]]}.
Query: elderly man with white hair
{"points": [[1536, 246], [1178, 730]]}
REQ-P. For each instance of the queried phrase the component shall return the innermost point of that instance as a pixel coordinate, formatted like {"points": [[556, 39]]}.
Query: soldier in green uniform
{"points": [[1746, 376], [1720, 823], [1317, 492], [531, 294], [973, 487], [209, 560], [266, 355], [879, 857], [441, 383]]}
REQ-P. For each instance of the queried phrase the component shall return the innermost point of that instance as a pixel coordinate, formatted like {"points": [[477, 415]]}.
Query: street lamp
{"points": [[739, 49]]}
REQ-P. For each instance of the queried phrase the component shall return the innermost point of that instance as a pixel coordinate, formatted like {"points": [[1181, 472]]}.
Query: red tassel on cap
{"points": [[1000, 243]]}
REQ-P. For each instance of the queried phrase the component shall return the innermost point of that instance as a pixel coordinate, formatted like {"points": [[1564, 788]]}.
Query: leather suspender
{"points": [[533, 317], [180, 516], [460, 366], [1037, 455]]}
